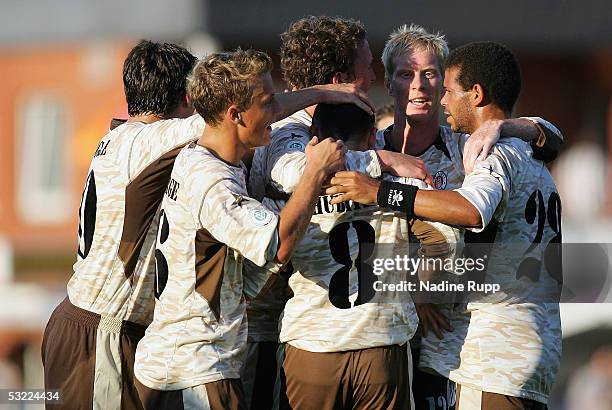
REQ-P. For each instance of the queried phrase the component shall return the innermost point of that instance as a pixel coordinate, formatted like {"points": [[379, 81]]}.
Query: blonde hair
{"points": [[223, 79], [410, 39]]}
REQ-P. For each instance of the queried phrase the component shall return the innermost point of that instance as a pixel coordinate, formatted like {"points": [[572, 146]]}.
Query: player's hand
{"points": [[404, 165], [326, 156], [347, 93], [354, 186], [479, 144], [432, 319]]}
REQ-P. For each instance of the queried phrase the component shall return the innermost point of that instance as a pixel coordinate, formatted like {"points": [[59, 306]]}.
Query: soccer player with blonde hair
{"points": [[191, 354], [413, 65]]}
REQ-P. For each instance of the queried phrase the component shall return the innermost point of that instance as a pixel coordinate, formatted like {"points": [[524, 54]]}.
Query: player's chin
{"points": [[450, 122], [419, 115]]}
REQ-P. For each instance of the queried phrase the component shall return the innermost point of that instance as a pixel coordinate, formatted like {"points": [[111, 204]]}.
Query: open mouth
{"points": [[419, 102]]}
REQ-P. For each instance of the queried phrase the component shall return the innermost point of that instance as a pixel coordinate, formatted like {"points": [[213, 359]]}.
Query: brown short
{"points": [[375, 378], [80, 347], [472, 399], [258, 374], [223, 394]]}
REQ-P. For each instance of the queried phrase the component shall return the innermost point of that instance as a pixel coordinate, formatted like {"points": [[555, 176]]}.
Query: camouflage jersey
{"points": [[510, 343], [327, 312], [114, 271], [277, 168], [209, 225], [443, 159]]}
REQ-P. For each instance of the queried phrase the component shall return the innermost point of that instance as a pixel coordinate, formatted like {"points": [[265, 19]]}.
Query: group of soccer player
{"points": [[220, 253]]}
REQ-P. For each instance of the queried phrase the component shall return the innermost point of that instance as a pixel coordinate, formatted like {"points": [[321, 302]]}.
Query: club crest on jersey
{"points": [[395, 197], [260, 217], [440, 180], [294, 145]]}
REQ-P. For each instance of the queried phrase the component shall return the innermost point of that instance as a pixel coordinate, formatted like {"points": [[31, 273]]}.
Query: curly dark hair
{"points": [[314, 48], [155, 77], [493, 66]]}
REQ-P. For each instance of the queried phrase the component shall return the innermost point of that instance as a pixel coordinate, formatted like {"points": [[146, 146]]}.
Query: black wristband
{"points": [[398, 197]]}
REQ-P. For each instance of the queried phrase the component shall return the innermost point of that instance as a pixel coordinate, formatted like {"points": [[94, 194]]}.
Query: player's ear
{"points": [[478, 96], [388, 85], [341, 78], [234, 115], [372, 138]]}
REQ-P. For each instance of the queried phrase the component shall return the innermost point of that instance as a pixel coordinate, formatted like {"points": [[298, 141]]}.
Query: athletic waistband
{"points": [[88, 318]]}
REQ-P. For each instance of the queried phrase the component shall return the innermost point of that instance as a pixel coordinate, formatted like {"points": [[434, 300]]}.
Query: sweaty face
{"points": [[459, 113], [416, 84], [363, 72], [262, 112]]}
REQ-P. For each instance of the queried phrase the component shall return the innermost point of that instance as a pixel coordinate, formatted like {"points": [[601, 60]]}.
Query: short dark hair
{"points": [[493, 66], [155, 77], [342, 121], [315, 48]]}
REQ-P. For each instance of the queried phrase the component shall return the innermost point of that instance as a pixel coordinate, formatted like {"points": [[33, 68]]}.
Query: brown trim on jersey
{"points": [[209, 263], [142, 198], [494, 401], [115, 122]]}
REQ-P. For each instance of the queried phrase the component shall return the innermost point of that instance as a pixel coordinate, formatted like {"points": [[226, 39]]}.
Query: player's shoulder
{"points": [[451, 138], [298, 119], [513, 150], [199, 167], [297, 124]]}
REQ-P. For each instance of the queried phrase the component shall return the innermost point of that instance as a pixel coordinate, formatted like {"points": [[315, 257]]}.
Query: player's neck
{"points": [[224, 143], [488, 112], [310, 110], [145, 118], [415, 138]]}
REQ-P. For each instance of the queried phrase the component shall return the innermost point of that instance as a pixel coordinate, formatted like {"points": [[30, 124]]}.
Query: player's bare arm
{"points": [[430, 318], [293, 101], [322, 159], [353, 185], [403, 165], [546, 139], [448, 207]]}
